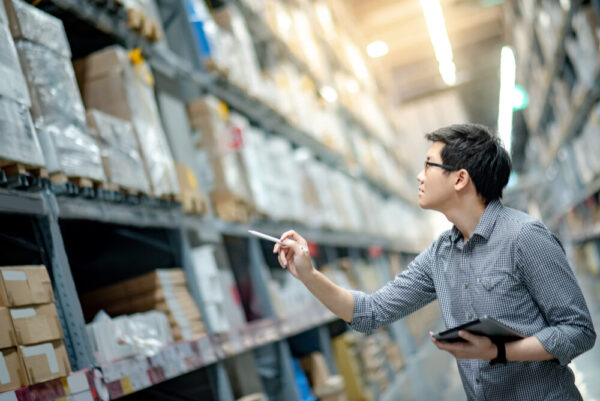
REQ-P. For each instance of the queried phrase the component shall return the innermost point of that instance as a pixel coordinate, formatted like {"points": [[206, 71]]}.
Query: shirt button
{"points": [[470, 316], [477, 380], [466, 286]]}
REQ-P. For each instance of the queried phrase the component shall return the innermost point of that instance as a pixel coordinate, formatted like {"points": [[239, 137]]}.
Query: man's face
{"points": [[435, 183]]}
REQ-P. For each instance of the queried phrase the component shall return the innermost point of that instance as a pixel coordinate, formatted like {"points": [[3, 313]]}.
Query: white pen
{"points": [[273, 239]]}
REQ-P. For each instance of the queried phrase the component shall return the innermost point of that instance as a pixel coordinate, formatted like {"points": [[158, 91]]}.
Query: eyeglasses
{"points": [[444, 166]]}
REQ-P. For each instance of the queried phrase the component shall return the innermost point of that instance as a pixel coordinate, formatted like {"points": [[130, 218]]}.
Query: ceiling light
{"points": [[329, 94], [377, 49], [507, 90], [439, 39]]}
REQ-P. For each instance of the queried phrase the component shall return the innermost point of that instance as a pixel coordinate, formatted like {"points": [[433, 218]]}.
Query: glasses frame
{"points": [[443, 166]]}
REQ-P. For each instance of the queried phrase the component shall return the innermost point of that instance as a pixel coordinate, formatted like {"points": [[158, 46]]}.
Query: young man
{"points": [[495, 261]]}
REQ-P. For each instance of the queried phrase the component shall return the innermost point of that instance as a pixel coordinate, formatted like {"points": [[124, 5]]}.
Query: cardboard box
{"points": [[25, 285], [36, 324], [12, 371], [45, 361], [316, 369], [7, 333]]}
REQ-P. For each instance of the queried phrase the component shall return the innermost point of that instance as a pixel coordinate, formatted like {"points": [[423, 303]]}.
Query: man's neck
{"points": [[465, 216]]}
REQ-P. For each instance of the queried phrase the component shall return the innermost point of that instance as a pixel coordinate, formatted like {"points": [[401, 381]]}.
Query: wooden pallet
{"points": [[12, 168], [230, 207], [192, 204]]}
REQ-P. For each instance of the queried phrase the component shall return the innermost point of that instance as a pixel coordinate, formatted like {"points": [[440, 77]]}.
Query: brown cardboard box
{"points": [[25, 285], [316, 369], [12, 371], [45, 361], [36, 324], [7, 333]]}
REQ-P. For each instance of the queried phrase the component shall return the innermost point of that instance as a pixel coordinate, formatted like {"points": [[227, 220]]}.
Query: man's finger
{"points": [[465, 335]]}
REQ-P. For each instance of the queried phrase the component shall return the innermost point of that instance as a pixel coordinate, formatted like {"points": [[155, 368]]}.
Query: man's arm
{"points": [[546, 273], [365, 312]]}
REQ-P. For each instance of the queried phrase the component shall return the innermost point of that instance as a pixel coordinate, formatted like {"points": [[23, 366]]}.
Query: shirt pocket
{"points": [[492, 281]]}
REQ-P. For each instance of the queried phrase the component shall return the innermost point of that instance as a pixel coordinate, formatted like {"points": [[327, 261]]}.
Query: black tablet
{"points": [[484, 326]]}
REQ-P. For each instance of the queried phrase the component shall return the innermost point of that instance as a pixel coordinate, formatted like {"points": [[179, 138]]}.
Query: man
{"points": [[495, 261]]}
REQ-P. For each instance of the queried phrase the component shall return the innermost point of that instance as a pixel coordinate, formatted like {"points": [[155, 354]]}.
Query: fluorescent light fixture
{"points": [[507, 89], [439, 39], [377, 49], [329, 94]]}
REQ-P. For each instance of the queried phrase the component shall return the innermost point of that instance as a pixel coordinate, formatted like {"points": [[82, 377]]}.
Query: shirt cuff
{"points": [[557, 344], [362, 315]]}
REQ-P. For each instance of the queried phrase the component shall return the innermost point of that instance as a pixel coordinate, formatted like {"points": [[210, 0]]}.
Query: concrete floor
{"points": [[432, 374]]}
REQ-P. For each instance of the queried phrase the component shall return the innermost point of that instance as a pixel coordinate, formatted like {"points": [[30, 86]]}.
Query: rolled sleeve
{"points": [[362, 317], [552, 284]]}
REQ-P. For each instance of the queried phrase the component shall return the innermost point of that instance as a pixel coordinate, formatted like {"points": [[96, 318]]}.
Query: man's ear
{"points": [[462, 179]]}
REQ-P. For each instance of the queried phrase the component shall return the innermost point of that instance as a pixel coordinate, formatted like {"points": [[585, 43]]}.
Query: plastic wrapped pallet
{"points": [[121, 158], [112, 83], [58, 113], [17, 135], [13, 85], [34, 25]]}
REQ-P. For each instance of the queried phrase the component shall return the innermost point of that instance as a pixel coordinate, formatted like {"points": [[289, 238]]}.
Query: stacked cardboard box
{"points": [[207, 276], [120, 83], [56, 104], [31, 346], [221, 137], [162, 290], [345, 351], [324, 386], [18, 137]]}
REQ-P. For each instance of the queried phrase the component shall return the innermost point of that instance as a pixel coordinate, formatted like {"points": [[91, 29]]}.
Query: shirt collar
{"points": [[486, 222]]}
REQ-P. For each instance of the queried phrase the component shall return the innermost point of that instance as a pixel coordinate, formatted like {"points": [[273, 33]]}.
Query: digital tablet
{"points": [[484, 326]]}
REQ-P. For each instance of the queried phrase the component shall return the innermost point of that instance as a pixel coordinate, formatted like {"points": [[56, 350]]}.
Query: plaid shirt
{"points": [[512, 269]]}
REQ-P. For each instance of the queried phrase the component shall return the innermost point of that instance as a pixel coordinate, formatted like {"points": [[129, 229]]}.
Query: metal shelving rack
{"points": [[48, 211]]}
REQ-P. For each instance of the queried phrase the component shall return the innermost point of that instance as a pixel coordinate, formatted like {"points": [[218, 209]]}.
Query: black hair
{"points": [[475, 148]]}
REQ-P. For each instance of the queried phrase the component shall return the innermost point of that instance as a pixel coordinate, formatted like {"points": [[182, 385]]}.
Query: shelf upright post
{"points": [[67, 301], [183, 257], [259, 274]]}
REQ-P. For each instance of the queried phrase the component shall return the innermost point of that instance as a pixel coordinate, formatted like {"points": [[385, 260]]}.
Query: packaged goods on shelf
{"points": [[19, 140], [583, 49], [324, 385], [245, 71], [289, 295], [221, 138], [203, 27], [192, 201], [208, 279], [121, 158], [36, 324], [585, 148], [13, 85], [56, 105], [14, 374], [244, 378], [592, 255], [7, 331], [232, 302], [125, 336], [17, 134], [163, 290], [120, 84], [550, 19], [346, 357], [25, 285], [45, 361], [36, 26], [143, 16]]}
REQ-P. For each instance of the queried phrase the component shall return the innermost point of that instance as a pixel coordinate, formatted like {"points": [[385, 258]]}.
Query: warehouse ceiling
{"points": [[410, 69]]}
